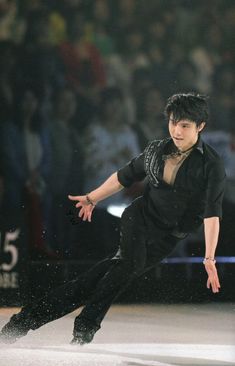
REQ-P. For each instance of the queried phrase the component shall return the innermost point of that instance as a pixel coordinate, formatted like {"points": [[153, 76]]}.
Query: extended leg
{"points": [[55, 304]]}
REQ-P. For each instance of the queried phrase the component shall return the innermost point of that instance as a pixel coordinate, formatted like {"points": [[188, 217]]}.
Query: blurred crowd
{"points": [[83, 84]]}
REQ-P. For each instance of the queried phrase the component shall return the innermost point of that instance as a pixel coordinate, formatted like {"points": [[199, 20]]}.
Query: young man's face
{"points": [[184, 133]]}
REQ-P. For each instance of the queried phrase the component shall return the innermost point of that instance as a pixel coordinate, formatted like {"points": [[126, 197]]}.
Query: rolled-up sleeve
{"points": [[216, 179], [132, 172]]}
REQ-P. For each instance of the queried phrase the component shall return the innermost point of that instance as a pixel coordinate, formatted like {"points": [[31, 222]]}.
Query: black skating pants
{"points": [[142, 246]]}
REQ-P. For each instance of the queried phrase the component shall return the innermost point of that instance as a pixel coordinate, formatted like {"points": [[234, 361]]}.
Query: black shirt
{"points": [[197, 191]]}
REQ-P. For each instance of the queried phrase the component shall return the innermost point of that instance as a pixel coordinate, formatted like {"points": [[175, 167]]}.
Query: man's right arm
{"points": [[124, 177], [107, 189], [87, 202]]}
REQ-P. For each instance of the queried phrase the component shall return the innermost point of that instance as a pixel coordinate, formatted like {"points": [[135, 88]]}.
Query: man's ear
{"points": [[201, 126]]}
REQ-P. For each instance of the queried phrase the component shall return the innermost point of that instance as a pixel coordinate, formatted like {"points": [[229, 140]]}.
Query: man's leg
{"points": [[58, 302], [140, 252], [110, 287], [130, 265]]}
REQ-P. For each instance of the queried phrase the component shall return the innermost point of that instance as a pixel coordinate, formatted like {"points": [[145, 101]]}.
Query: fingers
{"points": [[81, 200], [81, 212], [86, 209], [85, 213], [213, 282], [216, 285], [90, 213], [215, 288], [72, 198]]}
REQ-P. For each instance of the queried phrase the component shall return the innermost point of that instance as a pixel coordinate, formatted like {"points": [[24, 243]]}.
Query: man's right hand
{"points": [[86, 208]]}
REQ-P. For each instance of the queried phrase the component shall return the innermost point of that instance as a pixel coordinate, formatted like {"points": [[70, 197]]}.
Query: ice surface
{"points": [[111, 354], [133, 336]]}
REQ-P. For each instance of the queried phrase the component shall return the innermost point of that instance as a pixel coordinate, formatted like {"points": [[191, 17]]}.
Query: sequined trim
{"points": [[152, 156]]}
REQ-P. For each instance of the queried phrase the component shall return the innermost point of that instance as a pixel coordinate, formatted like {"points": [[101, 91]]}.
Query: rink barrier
{"points": [[176, 260]]}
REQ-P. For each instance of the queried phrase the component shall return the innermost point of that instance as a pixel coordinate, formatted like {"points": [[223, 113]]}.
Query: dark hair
{"points": [[190, 106]]}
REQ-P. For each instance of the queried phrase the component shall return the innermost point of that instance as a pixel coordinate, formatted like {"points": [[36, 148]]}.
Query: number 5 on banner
{"points": [[8, 247]]}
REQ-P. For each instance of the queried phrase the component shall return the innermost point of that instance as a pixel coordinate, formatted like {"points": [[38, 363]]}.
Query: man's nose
{"points": [[177, 130]]}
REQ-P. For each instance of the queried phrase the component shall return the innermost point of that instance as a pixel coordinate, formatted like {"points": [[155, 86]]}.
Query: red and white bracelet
{"points": [[89, 201]]}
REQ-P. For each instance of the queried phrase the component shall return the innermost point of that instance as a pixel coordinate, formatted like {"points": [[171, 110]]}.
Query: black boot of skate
{"points": [[83, 332], [14, 329]]}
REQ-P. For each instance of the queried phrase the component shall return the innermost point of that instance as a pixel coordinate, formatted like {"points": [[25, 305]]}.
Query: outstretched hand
{"points": [[86, 208], [213, 279]]}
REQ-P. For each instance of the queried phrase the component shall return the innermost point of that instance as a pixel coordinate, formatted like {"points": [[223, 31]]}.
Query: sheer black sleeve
{"points": [[132, 172], [215, 189]]}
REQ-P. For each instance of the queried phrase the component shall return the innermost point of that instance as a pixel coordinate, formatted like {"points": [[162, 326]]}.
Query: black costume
{"points": [[150, 228]]}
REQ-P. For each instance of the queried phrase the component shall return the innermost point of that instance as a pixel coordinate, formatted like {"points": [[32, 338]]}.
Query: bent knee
{"points": [[131, 268]]}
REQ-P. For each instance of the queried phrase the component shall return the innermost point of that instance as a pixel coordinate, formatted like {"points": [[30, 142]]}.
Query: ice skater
{"points": [[185, 187]]}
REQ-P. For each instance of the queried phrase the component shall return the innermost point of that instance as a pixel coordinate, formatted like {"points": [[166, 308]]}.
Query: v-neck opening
{"points": [[177, 172]]}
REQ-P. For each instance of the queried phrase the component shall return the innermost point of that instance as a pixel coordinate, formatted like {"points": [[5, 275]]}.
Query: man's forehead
{"points": [[183, 120]]}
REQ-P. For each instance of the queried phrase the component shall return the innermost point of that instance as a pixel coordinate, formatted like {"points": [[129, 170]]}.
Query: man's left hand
{"points": [[213, 279]]}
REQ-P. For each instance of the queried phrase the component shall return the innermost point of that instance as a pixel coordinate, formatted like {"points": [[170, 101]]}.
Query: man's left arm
{"points": [[211, 229], [216, 178]]}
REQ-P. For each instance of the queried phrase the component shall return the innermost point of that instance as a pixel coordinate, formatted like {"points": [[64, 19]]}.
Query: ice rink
{"points": [[133, 335]]}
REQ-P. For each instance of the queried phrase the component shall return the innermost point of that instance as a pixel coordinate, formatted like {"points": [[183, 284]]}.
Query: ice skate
{"points": [[13, 330], [83, 333]]}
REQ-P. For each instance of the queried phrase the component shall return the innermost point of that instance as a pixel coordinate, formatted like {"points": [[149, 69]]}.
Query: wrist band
{"points": [[209, 259], [89, 201]]}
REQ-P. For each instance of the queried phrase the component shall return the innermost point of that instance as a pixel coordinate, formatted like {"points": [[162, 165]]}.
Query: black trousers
{"points": [[142, 246]]}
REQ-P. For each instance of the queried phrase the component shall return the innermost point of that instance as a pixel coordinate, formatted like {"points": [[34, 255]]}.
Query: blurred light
{"points": [[116, 210]]}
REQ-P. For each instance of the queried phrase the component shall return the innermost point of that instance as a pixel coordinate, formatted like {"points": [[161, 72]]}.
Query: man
{"points": [[185, 186]]}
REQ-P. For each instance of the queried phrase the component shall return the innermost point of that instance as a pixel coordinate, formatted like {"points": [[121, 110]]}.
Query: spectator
{"points": [[66, 168], [108, 137], [39, 64], [25, 154], [7, 74], [150, 119], [11, 25], [82, 61], [108, 142]]}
